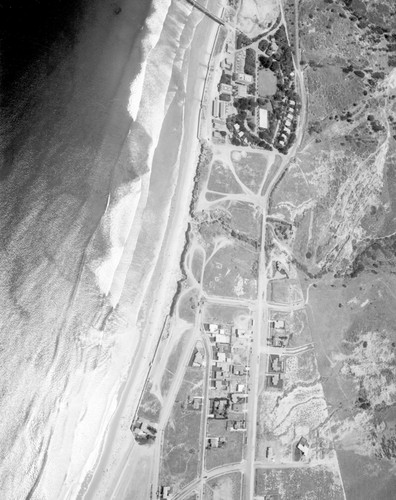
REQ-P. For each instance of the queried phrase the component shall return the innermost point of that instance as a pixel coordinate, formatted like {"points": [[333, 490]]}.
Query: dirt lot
{"points": [[292, 484]]}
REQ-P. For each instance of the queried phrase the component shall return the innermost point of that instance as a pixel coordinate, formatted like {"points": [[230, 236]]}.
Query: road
{"points": [[260, 307]]}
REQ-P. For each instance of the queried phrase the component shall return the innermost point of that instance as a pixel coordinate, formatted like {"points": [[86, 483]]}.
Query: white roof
{"points": [[223, 339], [213, 328], [221, 356], [263, 118]]}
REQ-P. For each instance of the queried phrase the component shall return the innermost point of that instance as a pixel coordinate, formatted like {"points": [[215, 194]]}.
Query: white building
{"points": [[243, 78], [222, 339], [263, 118], [241, 90], [225, 88], [215, 108]]}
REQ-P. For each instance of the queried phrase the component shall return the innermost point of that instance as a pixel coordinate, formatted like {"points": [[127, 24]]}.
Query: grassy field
{"points": [[180, 452], [222, 179], [266, 84]]}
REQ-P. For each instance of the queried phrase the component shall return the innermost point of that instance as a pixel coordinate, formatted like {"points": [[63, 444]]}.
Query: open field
{"points": [[250, 168], [284, 291], [221, 314], [227, 487], [221, 179], [179, 459], [266, 84], [305, 483], [232, 272]]}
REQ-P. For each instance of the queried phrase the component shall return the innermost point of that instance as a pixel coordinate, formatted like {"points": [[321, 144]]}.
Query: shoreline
{"points": [[189, 151]]}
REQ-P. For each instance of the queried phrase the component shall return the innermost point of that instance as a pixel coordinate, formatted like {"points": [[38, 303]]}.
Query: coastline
{"points": [[162, 285]]}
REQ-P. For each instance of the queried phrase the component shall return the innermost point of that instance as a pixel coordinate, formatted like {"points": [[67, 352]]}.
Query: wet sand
{"points": [[162, 242]]}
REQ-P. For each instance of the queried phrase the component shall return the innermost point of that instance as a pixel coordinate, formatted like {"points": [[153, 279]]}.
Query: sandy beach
{"points": [[161, 243]]}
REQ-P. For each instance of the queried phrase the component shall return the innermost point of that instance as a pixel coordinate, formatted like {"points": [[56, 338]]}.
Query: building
{"points": [[275, 365], [222, 109], [288, 123], [213, 442], [290, 116], [277, 323], [303, 446], [274, 381], [241, 90], [165, 492], [243, 78], [216, 108], [221, 338], [263, 118], [225, 89]]}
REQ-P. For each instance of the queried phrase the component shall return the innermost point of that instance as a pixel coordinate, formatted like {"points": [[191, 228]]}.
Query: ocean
{"points": [[93, 103]]}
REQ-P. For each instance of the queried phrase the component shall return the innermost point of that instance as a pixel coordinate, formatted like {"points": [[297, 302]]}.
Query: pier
{"points": [[206, 12]]}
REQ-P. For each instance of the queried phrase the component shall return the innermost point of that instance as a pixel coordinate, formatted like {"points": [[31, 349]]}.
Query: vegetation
{"points": [[250, 62]]}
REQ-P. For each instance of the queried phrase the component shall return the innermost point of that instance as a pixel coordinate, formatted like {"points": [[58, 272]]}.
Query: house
{"points": [[286, 130], [243, 78], [224, 88], [240, 388], [303, 446], [238, 407], [238, 370], [218, 408], [213, 328], [274, 381], [165, 492], [221, 357], [276, 365], [226, 65], [198, 359], [222, 339], [263, 118], [237, 126], [290, 116], [292, 103], [213, 442], [239, 332], [197, 403], [277, 323], [288, 123]]}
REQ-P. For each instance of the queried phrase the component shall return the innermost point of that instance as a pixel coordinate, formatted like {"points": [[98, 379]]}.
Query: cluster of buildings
{"points": [[275, 372], [143, 431], [278, 336], [287, 126], [228, 380]]}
